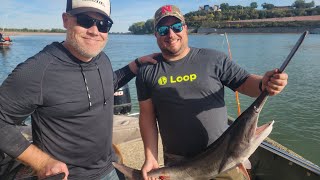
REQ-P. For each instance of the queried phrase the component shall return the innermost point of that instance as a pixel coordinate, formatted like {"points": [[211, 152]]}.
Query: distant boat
{"points": [[5, 42]]}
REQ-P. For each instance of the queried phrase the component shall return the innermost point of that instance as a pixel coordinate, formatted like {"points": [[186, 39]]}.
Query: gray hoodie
{"points": [[71, 106]]}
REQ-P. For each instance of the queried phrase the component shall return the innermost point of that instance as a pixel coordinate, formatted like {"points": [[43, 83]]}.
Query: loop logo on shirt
{"points": [[163, 80]]}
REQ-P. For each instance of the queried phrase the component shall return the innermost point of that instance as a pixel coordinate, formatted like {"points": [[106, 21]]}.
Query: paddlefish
{"points": [[231, 149]]}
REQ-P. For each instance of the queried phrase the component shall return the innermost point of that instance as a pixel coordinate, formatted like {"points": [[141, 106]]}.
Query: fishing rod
{"points": [[236, 92]]}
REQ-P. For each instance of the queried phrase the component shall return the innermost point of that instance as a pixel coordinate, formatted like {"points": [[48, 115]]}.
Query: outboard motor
{"points": [[122, 101]]}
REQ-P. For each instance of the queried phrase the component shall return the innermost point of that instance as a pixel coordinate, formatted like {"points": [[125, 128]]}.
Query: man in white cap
{"points": [[67, 88]]}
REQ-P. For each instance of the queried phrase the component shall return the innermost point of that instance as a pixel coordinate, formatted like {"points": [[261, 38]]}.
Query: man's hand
{"points": [[148, 58], [53, 167], [148, 166], [42, 163], [274, 81], [135, 65]]}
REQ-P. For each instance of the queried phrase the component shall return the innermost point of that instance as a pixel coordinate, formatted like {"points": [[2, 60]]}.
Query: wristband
{"points": [[137, 62], [260, 86]]}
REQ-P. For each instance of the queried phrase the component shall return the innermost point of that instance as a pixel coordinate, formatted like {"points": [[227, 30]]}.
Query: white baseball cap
{"points": [[81, 6]]}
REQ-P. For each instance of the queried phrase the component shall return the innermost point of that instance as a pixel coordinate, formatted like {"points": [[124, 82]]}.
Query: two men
{"points": [[67, 88], [184, 93]]}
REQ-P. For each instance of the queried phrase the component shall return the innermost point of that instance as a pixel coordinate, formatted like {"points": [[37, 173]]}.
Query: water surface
{"points": [[295, 110]]}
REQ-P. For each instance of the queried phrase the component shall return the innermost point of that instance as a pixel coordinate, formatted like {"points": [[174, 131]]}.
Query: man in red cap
{"points": [[184, 94], [67, 88]]}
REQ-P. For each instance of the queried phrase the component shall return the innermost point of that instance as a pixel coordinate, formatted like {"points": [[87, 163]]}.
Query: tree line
{"points": [[221, 19], [53, 30]]}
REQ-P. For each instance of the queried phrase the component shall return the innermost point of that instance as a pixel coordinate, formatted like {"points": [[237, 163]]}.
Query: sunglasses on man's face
{"points": [[86, 21], [164, 30]]}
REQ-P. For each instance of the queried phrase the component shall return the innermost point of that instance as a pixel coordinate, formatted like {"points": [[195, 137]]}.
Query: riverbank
{"points": [[201, 30], [18, 33], [257, 30]]}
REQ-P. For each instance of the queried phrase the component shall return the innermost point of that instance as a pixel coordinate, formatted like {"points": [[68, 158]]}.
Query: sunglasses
{"points": [[86, 21], [164, 30]]}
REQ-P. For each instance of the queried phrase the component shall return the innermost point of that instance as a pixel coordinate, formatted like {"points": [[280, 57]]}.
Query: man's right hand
{"points": [[53, 167], [42, 163], [148, 166]]}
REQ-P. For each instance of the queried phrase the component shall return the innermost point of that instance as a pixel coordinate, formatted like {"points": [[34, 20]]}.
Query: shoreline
{"points": [[206, 32], [17, 33], [263, 30], [201, 31]]}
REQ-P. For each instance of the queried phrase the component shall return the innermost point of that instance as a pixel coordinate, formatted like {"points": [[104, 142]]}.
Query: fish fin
{"points": [[247, 164], [133, 174], [118, 153], [243, 170]]}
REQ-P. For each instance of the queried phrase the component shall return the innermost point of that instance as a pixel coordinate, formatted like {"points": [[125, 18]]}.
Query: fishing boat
{"points": [[271, 161], [6, 42]]}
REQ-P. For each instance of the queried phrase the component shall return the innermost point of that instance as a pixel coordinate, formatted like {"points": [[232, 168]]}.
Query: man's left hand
{"points": [[274, 81]]}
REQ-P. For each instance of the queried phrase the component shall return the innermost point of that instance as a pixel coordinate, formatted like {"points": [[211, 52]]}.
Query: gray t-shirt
{"points": [[188, 96], [71, 108]]}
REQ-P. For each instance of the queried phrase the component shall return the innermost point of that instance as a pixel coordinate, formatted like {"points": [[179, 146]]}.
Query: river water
{"points": [[296, 110]]}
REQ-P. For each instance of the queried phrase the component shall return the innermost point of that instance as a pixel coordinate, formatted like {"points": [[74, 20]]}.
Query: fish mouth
{"points": [[263, 131]]}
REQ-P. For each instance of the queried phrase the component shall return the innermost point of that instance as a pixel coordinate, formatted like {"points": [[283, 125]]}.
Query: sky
{"points": [[46, 14]]}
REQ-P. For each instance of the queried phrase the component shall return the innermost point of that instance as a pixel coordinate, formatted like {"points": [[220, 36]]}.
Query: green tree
{"points": [[310, 5], [279, 13], [299, 4], [254, 14], [137, 28], [253, 5], [267, 6], [149, 26], [299, 12], [224, 6], [210, 16], [262, 14], [221, 19]]}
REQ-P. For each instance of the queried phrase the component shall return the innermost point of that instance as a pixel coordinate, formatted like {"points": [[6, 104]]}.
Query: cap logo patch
{"points": [[165, 9], [97, 1]]}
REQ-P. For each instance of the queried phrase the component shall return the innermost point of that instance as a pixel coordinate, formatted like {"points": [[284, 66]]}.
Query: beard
{"points": [[169, 51], [81, 49], [175, 50]]}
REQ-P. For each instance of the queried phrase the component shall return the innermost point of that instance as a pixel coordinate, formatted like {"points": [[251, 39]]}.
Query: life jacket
{"points": [[7, 38]]}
